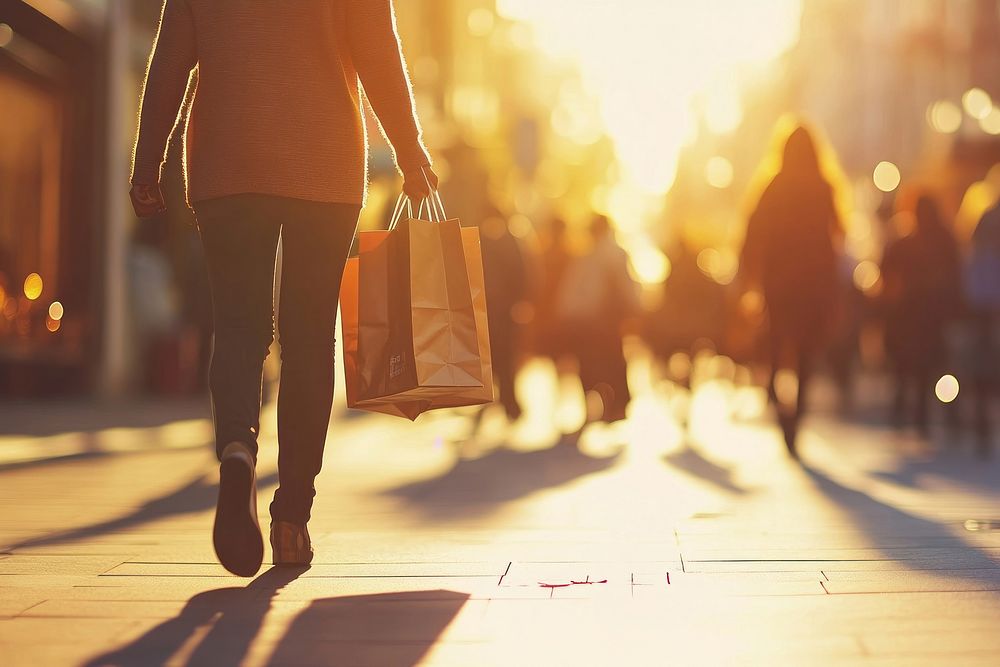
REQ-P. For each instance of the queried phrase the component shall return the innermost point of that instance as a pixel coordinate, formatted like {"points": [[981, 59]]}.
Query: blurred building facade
{"points": [[889, 79], [909, 82], [59, 82]]}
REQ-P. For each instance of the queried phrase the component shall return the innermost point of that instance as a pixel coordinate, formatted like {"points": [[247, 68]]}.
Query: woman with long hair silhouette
{"points": [[276, 149], [790, 253]]}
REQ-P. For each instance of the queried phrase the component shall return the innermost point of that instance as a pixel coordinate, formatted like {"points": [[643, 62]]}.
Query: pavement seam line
{"points": [[500, 583]]}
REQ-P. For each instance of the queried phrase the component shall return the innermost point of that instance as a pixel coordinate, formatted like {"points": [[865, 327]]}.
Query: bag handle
{"points": [[433, 204], [431, 213], [434, 211], [435, 197], [403, 203]]}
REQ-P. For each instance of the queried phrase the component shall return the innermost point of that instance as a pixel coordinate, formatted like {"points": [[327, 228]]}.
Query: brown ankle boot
{"points": [[290, 543], [236, 535]]}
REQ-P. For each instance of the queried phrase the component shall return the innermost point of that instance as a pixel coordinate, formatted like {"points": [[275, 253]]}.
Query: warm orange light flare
{"points": [[33, 286], [653, 70]]}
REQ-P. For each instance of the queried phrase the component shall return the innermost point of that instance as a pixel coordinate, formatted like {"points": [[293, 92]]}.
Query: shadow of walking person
{"points": [[240, 613], [197, 495], [478, 486], [692, 462], [386, 630], [916, 543], [944, 464]]}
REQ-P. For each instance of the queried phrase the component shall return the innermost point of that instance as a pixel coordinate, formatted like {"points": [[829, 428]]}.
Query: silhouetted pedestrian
{"points": [[982, 292], [791, 252], [555, 258], [507, 291], [921, 293], [596, 297], [692, 314]]}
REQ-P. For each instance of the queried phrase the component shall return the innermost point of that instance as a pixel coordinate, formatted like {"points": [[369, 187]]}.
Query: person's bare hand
{"points": [[147, 199], [419, 183]]}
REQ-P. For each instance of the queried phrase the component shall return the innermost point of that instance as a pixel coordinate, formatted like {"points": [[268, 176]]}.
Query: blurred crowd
{"points": [[566, 290]]}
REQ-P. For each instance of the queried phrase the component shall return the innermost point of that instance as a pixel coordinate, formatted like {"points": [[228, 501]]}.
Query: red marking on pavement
{"points": [[572, 583]]}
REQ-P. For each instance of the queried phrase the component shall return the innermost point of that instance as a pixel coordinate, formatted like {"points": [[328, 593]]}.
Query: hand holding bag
{"points": [[413, 311]]}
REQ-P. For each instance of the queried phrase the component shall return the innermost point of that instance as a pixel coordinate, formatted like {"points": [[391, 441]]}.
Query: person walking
{"points": [[596, 298], [921, 296], [505, 272], [982, 292], [790, 252], [276, 148], [554, 260]]}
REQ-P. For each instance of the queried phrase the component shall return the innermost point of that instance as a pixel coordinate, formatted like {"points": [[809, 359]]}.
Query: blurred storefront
{"points": [[52, 209]]}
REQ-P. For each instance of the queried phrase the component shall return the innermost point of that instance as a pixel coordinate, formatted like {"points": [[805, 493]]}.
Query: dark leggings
{"points": [[240, 235]]}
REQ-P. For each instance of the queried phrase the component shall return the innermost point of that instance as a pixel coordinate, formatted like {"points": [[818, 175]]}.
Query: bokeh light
{"points": [[977, 103], [991, 122], [56, 311], [946, 388], [719, 172], [866, 275], [33, 286], [650, 265], [720, 265], [944, 116], [886, 176]]}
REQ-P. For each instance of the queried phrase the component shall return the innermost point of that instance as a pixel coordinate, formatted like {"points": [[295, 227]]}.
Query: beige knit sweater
{"points": [[278, 105]]}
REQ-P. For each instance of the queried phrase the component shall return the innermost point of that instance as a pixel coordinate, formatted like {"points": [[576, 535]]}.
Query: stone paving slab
{"points": [[882, 565], [411, 569], [21, 565]]}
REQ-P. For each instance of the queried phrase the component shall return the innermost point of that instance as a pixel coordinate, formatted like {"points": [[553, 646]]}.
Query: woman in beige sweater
{"points": [[276, 148]]}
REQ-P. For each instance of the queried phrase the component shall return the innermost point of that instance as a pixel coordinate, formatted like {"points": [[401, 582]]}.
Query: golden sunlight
{"points": [[652, 63]]}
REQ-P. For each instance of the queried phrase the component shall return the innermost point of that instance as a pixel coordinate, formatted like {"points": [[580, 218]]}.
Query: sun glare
{"points": [[651, 63]]}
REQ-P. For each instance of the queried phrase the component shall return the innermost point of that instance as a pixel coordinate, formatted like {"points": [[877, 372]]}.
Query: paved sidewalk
{"points": [[644, 545]]}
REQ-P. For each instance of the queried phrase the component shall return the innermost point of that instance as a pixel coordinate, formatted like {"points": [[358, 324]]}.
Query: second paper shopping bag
{"points": [[415, 329]]}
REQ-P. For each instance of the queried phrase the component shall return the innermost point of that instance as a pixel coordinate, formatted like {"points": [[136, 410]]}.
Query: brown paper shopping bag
{"points": [[414, 319]]}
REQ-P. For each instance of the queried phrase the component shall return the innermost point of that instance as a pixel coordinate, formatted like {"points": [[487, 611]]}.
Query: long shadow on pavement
{"points": [[45, 418], [690, 460], [385, 629], [934, 546], [949, 464], [476, 486], [391, 629], [198, 495], [240, 613]]}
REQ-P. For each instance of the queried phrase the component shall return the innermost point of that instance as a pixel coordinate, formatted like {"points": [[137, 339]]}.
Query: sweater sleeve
{"points": [[174, 56], [378, 59]]}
